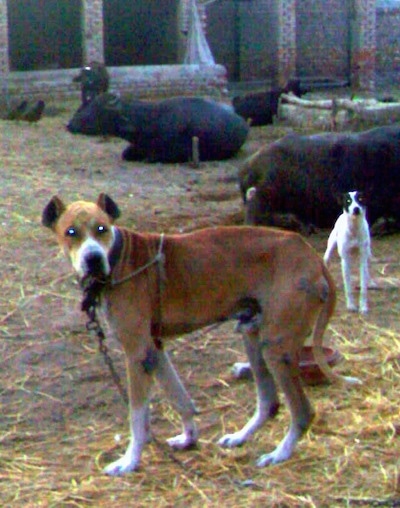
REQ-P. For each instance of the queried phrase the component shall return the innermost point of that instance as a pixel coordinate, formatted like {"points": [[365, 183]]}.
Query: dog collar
{"points": [[116, 249]]}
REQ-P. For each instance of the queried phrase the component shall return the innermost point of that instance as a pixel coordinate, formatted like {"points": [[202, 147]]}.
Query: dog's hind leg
{"points": [[348, 291], [173, 387], [364, 281], [267, 398], [308, 306], [287, 376]]}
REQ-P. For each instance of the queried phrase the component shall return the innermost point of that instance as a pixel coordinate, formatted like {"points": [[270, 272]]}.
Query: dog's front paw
{"points": [[232, 440], [121, 466]]}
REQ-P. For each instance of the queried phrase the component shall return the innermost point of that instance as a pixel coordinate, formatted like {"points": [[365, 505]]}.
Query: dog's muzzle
{"points": [[95, 264], [356, 211], [91, 260]]}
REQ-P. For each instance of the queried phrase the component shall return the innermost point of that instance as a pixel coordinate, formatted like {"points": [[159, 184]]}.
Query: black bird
{"points": [[34, 114], [17, 111]]}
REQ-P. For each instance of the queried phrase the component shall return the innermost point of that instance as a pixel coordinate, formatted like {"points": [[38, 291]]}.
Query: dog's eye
{"points": [[101, 229], [70, 232]]}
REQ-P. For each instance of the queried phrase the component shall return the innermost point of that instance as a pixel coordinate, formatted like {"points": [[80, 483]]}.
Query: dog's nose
{"points": [[356, 211], [94, 263]]}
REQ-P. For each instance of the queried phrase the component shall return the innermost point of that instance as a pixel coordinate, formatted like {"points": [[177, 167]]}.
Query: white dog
{"points": [[351, 233]]}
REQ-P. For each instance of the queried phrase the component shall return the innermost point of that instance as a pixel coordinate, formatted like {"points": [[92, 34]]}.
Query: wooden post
{"points": [[195, 152]]}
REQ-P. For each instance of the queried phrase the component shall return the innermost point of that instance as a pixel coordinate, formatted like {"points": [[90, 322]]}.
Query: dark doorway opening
{"points": [[140, 33], [44, 34]]}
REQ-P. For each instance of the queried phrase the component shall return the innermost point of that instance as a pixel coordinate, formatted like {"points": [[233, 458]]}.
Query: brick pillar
{"points": [[4, 61], [285, 30], [363, 51], [92, 28]]}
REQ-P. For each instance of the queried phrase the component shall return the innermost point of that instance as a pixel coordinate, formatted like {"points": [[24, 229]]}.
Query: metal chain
{"points": [[94, 326], [92, 290], [90, 302]]}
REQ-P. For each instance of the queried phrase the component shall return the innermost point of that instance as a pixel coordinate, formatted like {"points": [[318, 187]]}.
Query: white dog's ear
{"points": [[365, 196], [250, 194], [362, 198], [108, 205], [52, 211]]}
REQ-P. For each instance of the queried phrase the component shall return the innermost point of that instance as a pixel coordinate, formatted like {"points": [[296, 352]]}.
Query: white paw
{"points": [[121, 466], [352, 307], [364, 309], [271, 459], [241, 370], [231, 440], [352, 380], [283, 451], [182, 442]]}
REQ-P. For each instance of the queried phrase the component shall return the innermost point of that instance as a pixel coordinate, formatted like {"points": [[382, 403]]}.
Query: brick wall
{"points": [[282, 38], [93, 43], [322, 40], [285, 41], [4, 64], [139, 82], [388, 46], [269, 40], [363, 49]]}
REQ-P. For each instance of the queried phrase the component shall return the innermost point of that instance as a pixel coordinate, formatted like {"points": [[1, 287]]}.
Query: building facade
{"points": [[388, 47], [255, 40]]}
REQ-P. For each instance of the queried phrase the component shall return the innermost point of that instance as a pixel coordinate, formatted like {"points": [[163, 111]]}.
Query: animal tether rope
{"points": [[159, 258]]}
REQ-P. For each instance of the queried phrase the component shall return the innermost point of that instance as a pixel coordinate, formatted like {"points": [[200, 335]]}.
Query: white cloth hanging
{"points": [[197, 49]]}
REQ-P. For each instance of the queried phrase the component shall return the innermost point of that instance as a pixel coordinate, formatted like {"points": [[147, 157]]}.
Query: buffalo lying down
{"points": [[260, 108], [297, 178], [163, 131]]}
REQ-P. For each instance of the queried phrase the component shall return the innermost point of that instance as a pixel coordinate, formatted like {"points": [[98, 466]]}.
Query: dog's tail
{"points": [[327, 310]]}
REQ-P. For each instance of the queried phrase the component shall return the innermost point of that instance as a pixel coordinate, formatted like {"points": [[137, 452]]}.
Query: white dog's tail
{"points": [[319, 330]]}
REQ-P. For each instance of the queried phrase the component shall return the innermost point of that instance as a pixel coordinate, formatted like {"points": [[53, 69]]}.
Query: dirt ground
{"points": [[62, 420]]}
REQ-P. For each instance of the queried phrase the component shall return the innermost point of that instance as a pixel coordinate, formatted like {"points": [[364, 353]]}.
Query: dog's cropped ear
{"points": [[365, 194], [338, 195], [108, 205], [52, 212]]}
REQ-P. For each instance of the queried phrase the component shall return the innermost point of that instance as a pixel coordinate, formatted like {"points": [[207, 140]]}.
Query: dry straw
{"points": [[62, 419]]}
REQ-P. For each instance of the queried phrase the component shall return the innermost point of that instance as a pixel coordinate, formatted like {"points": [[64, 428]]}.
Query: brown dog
{"points": [[159, 286]]}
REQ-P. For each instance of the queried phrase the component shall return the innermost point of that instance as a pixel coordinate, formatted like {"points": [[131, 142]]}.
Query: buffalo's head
{"points": [[98, 117]]}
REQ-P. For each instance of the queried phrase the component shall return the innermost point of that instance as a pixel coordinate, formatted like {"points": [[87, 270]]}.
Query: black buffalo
{"points": [[94, 80], [259, 108], [295, 180], [163, 131]]}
